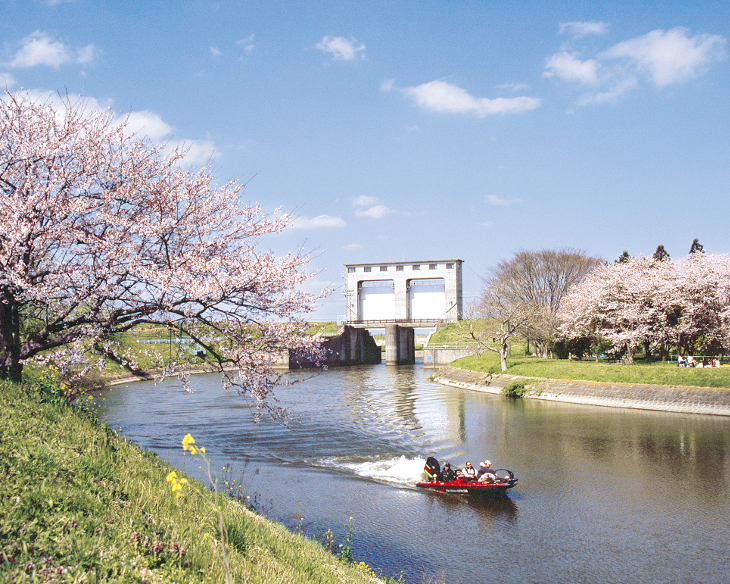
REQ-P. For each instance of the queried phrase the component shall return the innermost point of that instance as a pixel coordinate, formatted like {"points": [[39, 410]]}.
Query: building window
{"points": [[431, 266], [449, 266], [350, 270], [383, 268], [416, 266], [399, 268], [367, 269]]}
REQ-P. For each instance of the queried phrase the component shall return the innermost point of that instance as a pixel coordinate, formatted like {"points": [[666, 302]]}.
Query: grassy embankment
{"points": [[153, 347], [80, 504], [519, 363]]}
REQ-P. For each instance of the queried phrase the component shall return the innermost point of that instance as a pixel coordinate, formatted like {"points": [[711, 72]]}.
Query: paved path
{"points": [[668, 398]]}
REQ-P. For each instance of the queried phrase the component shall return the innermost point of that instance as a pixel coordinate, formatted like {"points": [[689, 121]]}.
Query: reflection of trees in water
{"points": [[632, 443]]}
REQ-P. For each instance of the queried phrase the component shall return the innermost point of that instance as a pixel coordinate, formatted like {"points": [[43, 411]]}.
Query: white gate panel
{"points": [[427, 299], [377, 301]]}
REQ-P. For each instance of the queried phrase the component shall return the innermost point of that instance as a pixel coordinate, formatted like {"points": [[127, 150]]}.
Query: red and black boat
{"points": [[505, 480]]}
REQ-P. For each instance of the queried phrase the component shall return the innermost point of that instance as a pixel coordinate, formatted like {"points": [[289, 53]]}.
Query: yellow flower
{"points": [[172, 477], [187, 441]]}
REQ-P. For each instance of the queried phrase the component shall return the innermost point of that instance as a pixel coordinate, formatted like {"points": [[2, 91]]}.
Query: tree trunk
{"points": [[10, 366], [503, 348], [647, 351]]}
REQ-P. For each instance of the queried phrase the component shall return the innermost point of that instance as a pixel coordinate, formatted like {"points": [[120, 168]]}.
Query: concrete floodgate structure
{"points": [[400, 297]]}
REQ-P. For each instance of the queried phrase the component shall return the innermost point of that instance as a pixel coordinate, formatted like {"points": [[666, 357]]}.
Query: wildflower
{"points": [[175, 484], [188, 443]]}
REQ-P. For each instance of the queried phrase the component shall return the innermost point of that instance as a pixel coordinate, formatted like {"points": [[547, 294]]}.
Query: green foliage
{"points": [[80, 504], [563, 348], [515, 389], [49, 388], [623, 258]]}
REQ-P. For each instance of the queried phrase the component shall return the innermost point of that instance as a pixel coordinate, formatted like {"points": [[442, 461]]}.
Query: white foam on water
{"points": [[400, 470]]}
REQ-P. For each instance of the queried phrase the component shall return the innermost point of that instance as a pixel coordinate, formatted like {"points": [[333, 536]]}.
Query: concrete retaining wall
{"points": [[682, 399], [440, 356]]}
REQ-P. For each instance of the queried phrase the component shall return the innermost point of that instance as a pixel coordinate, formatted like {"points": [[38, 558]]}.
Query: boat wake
{"points": [[402, 470]]}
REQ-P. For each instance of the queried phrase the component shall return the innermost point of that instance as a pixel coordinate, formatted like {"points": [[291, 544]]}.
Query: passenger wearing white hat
{"points": [[486, 474]]}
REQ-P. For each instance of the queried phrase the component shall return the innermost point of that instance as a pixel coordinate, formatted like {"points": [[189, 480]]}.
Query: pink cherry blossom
{"points": [[103, 231]]}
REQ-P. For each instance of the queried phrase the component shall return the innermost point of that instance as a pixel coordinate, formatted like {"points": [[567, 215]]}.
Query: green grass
{"points": [[655, 373], [454, 334], [80, 504]]}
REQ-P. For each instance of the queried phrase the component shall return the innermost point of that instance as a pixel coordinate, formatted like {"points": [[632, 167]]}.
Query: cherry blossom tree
{"points": [[644, 300], [103, 231]]}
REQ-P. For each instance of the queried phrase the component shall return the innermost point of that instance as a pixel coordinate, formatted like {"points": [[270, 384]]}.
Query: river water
{"points": [[604, 495]]}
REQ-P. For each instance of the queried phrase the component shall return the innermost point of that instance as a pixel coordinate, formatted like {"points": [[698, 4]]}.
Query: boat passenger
{"points": [[469, 472], [446, 475], [486, 474]]}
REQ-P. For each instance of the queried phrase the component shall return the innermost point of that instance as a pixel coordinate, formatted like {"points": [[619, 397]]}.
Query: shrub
{"points": [[515, 389]]}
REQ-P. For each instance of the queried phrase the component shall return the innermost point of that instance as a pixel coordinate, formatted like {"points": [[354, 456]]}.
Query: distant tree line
{"points": [[566, 302]]}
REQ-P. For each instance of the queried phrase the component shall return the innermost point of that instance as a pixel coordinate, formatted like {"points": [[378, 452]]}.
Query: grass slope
{"points": [[79, 504], [656, 373]]}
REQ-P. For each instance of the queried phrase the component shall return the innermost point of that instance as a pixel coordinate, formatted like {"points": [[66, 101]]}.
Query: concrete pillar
{"points": [[391, 344], [407, 345], [399, 345], [353, 345]]}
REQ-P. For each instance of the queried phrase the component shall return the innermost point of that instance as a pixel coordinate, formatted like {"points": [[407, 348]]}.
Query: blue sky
{"points": [[399, 131]]}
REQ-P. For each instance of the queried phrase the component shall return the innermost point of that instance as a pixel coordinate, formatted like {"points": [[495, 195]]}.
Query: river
{"points": [[604, 495]]}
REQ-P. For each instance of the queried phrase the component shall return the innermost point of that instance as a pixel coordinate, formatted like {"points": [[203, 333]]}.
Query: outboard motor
{"points": [[432, 468]]}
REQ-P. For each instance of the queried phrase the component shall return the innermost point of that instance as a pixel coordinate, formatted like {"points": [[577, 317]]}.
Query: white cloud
{"points": [[341, 48], [567, 67], [143, 124], [659, 57], [672, 56], [440, 96], [496, 201], [610, 95], [580, 29], [352, 246], [247, 44], [370, 207], [319, 222], [198, 153], [364, 201], [215, 51], [40, 49], [374, 212], [513, 86], [146, 123], [387, 85]]}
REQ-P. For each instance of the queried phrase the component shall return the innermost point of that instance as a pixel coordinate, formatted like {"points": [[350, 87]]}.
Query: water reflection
{"points": [[604, 495]]}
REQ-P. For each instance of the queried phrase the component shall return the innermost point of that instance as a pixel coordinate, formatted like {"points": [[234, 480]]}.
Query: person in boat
{"points": [[446, 475], [485, 473], [469, 472]]}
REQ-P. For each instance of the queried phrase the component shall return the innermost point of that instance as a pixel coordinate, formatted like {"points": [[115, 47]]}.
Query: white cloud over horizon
{"points": [[318, 222], [569, 68], [39, 48], [342, 49], [659, 57], [442, 97]]}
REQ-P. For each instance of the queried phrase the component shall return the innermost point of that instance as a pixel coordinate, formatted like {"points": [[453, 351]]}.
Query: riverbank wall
{"points": [[674, 398]]}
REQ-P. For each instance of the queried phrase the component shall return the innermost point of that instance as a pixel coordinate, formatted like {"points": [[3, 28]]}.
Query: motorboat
{"points": [[505, 479]]}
